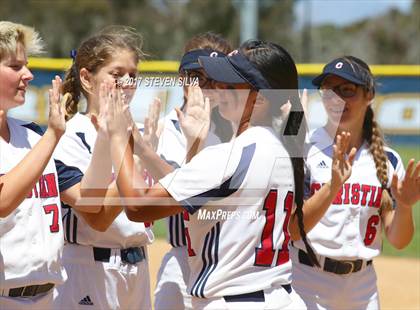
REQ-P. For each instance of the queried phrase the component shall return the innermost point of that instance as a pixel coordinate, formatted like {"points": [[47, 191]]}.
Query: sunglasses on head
{"points": [[344, 90]]}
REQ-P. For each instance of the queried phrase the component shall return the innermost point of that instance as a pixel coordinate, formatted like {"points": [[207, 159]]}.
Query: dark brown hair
{"points": [[279, 69]]}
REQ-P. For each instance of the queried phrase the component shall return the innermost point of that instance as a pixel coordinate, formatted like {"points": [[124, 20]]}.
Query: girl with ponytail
{"points": [[105, 255], [238, 197], [349, 235]]}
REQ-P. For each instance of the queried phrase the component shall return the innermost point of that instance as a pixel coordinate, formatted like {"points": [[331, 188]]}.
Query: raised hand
{"points": [[57, 108], [150, 136], [342, 162], [407, 191], [118, 118], [99, 121], [195, 121]]}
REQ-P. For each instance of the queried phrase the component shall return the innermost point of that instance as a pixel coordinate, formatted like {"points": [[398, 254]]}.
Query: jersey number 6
{"points": [[264, 255]]}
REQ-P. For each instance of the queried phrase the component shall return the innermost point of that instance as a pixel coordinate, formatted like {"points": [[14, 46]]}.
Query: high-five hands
{"points": [[407, 191], [342, 162], [195, 119]]}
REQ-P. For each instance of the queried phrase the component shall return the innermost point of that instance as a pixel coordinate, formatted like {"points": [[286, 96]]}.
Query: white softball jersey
{"points": [[172, 148], [351, 227], [237, 198], [75, 149], [31, 237]]}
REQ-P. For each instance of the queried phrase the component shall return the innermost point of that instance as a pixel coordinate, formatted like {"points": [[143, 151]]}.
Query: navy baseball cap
{"points": [[190, 60], [233, 69], [342, 68]]}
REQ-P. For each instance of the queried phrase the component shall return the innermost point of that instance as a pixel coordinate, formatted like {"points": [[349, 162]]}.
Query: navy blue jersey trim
{"points": [[392, 158], [171, 233], [176, 124], [216, 258], [177, 229], [66, 220], [183, 238], [82, 137], [194, 289], [210, 257], [74, 228], [174, 164], [228, 187], [67, 175], [35, 127]]}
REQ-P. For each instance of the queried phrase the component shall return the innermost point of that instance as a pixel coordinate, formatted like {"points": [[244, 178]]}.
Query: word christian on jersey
{"points": [[355, 194], [46, 187]]}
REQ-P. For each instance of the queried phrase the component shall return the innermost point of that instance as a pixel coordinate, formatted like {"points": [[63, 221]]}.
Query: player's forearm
{"points": [[153, 163], [123, 163], [313, 210], [99, 173], [193, 148], [18, 182], [401, 229], [111, 209]]}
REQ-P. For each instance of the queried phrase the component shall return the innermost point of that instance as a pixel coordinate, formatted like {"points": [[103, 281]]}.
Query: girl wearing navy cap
{"points": [[171, 288], [238, 196], [349, 235]]}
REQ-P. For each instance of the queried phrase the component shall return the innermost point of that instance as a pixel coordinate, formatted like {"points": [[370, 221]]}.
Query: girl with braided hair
{"points": [[105, 255], [349, 236]]}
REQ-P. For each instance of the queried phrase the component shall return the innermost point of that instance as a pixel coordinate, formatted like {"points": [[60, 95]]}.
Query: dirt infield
{"points": [[398, 278]]}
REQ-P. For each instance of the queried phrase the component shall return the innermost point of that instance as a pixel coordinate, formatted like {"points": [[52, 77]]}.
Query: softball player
{"points": [[31, 183], [238, 196], [349, 235], [171, 285], [107, 266]]}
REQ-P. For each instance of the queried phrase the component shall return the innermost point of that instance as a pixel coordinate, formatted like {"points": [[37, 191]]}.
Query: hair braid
{"points": [[373, 135], [72, 85]]}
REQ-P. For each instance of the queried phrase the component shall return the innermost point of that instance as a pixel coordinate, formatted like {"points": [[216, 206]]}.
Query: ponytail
{"points": [[296, 126], [71, 84], [373, 135]]}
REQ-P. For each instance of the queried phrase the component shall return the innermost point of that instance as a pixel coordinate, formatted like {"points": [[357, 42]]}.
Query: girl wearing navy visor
{"points": [[236, 261]]}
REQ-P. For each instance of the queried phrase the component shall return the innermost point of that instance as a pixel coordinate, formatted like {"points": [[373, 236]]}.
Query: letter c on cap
{"points": [[339, 65], [213, 54]]}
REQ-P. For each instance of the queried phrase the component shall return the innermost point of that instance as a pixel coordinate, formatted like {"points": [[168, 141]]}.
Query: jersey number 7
{"points": [[54, 227], [264, 255]]}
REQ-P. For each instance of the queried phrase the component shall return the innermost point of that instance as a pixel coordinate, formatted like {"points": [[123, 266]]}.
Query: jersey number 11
{"points": [[264, 255]]}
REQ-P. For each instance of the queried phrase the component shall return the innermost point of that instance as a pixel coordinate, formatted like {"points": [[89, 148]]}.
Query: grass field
{"points": [[413, 250]]}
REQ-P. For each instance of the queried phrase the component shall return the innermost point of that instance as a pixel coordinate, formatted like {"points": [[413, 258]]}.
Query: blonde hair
{"points": [[11, 34]]}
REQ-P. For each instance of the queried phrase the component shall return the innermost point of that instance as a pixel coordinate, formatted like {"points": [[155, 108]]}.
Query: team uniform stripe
{"points": [[82, 137], [176, 124], [194, 288], [216, 258], [66, 223], [177, 230], [75, 228], [171, 233], [35, 127], [170, 162], [392, 158], [183, 238], [228, 187], [210, 259]]}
